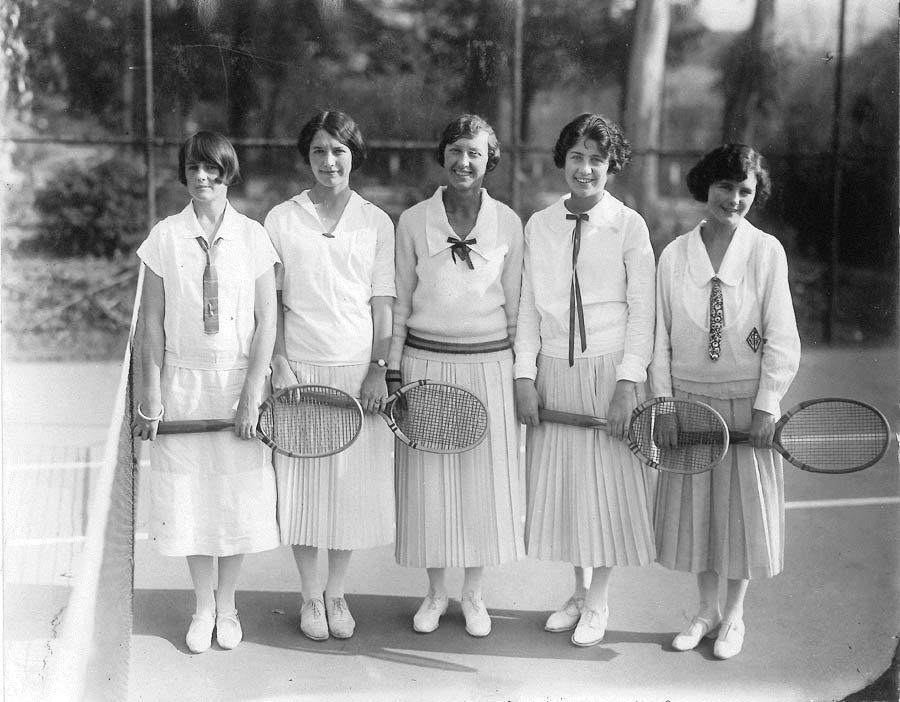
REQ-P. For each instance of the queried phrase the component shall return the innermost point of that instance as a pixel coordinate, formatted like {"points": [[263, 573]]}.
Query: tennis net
{"points": [[90, 657]]}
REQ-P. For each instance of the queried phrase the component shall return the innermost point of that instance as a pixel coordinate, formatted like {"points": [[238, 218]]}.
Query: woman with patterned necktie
{"points": [[335, 290], [458, 274], [725, 335], [207, 319], [584, 339]]}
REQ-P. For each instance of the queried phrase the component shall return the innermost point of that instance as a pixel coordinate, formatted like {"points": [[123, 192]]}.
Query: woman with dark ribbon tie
{"points": [[458, 274], [584, 339], [725, 335]]}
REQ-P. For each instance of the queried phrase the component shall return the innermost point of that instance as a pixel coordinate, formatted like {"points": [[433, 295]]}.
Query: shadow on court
{"points": [[383, 630]]}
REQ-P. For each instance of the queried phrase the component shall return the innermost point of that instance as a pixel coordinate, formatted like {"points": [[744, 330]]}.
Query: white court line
{"points": [[846, 502]]}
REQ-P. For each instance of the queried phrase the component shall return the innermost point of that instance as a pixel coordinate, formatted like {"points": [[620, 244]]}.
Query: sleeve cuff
{"points": [[631, 368], [768, 401], [525, 365]]}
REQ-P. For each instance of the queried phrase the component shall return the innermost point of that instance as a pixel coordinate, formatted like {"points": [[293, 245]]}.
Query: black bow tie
{"points": [[461, 248]]}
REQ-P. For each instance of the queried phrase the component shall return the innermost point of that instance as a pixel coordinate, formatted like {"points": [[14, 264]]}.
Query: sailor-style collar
{"points": [[440, 236], [734, 263]]}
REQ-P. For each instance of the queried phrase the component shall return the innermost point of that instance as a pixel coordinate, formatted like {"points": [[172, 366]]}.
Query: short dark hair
{"points": [[601, 130], [339, 125], [209, 147], [466, 127], [730, 162]]}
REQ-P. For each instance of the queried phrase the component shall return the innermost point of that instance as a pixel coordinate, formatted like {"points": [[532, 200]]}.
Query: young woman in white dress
{"points": [[458, 272], [584, 340], [205, 354], [336, 287], [725, 335]]}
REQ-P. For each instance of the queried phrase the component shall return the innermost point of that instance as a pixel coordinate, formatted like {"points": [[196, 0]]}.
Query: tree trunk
{"points": [[748, 74], [488, 81], [643, 101]]}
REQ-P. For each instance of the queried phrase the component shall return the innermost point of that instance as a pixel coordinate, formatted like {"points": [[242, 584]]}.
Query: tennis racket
{"points": [[309, 421], [830, 435], [301, 421], [702, 433]]}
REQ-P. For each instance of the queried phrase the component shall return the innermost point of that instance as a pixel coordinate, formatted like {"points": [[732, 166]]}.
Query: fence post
{"points": [[150, 127]]}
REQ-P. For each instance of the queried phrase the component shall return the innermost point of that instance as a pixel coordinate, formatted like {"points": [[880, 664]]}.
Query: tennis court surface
{"points": [[823, 630]]}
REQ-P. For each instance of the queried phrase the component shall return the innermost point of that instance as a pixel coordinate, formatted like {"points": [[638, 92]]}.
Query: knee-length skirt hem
{"points": [[729, 520], [211, 494], [344, 501], [464, 509], [588, 496]]}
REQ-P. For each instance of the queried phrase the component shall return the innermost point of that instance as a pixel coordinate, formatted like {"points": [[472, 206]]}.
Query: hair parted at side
{"points": [[730, 162], [602, 131], [466, 127], [209, 147], [339, 125]]}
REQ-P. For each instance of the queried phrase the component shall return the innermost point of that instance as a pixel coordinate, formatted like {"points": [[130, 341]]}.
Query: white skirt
{"points": [[729, 520], [464, 509], [588, 495], [211, 494], [344, 501]]}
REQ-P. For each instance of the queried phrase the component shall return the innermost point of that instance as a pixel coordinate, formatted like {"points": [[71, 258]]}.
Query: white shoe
{"points": [[591, 627], [428, 618], [228, 630], [340, 622], [478, 621], [567, 616], [313, 623], [199, 633], [699, 629], [730, 639]]}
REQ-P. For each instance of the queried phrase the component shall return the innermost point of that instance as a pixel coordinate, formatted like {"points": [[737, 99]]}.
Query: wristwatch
{"points": [[380, 362]]}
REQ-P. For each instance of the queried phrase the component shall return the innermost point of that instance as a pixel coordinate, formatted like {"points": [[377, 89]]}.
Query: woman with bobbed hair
{"points": [[585, 338], [335, 290], [725, 335], [458, 272]]}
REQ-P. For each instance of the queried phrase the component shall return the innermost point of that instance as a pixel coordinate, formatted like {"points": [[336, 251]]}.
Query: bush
{"points": [[91, 209]]}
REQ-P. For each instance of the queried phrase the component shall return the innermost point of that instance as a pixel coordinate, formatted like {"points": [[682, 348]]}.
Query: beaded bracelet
{"points": [[143, 416]]}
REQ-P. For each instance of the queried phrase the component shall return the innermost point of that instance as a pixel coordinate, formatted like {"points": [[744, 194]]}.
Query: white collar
{"points": [[438, 229], [734, 263]]}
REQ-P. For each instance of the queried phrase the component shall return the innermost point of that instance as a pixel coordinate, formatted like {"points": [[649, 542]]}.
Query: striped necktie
{"points": [[716, 319], [210, 289], [575, 306]]}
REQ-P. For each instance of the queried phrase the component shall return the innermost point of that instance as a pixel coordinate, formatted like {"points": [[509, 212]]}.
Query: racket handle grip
{"points": [[738, 437], [194, 426], [576, 420]]}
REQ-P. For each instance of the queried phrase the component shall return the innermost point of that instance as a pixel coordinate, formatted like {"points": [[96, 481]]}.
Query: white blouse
{"points": [[438, 296], [327, 282], [760, 345], [241, 252], [616, 276]]}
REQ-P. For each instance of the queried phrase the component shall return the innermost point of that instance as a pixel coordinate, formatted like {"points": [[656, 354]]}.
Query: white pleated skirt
{"points": [[344, 501], [588, 496], [464, 509], [729, 520], [211, 494]]}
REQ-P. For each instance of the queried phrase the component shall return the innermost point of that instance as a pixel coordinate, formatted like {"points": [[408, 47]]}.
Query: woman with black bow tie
{"points": [[458, 277]]}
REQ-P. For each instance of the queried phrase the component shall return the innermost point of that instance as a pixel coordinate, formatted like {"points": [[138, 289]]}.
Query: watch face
{"points": [[381, 363]]}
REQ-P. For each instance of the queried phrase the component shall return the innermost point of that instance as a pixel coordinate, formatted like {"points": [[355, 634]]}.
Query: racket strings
{"points": [[311, 421], [702, 438], [440, 417], [835, 436]]}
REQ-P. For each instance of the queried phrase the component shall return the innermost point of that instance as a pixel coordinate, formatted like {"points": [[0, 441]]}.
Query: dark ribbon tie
{"points": [[210, 289], [575, 306], [461, 248]]}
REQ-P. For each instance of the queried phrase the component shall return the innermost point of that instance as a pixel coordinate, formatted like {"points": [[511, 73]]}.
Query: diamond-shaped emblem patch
{"points": [[754, 340]]}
